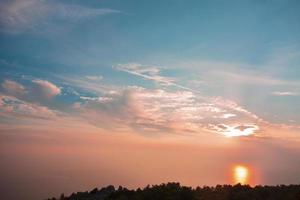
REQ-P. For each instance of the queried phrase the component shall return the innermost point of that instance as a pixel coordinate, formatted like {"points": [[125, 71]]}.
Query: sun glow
{"points": [[241, 174]]}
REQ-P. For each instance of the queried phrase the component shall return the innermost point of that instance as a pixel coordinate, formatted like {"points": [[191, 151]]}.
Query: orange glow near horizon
{"points": [[241, 174]]}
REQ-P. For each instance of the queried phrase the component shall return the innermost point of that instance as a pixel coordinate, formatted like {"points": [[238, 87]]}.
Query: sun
{"points": [[241, 174]]}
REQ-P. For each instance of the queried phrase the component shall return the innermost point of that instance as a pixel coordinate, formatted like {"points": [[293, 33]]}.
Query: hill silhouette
{"points": [[174, 191]]}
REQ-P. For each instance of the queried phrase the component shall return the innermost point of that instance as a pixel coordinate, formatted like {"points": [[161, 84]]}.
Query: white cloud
{"points": [[150, 73], [94, 78], [235, 130], [226, 103], [226, 115], [146, 72], [286, 93]]}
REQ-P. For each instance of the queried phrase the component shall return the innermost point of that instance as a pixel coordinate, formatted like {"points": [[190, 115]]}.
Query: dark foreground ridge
{"points": [[174, 191]]}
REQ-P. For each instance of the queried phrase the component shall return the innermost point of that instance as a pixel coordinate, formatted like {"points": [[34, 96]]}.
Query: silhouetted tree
{"points": [[174, 191]]}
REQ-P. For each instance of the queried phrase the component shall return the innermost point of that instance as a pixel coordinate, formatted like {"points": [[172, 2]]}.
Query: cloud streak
{"points": [[150, 73], [286, 93], [18, 16]]}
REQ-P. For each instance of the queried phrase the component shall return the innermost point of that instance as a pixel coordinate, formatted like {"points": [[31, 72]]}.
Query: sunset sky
{"points": [[137, 92]]}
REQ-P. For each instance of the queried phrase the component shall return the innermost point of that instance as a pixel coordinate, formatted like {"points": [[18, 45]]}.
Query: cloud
{"points": [[277, 93], [210, 72], [186, 111], [141, 110], [165, 110], [23, 15], [86, 84], [235, 130], [150, 73], [13, 88], [25, 103], [226, 115], [253, 78], [226, 103], [146, 72], [112, 110], [172, 109], [45, 88], [12, 107], [162, 111], [205, 113], [94, 78], [76, 12], [37, 90]]}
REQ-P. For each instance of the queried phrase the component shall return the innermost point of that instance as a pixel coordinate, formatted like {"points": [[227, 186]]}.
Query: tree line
{"points": [[174, 191]]}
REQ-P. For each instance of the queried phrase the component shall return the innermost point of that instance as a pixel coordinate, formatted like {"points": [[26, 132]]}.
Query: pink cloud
{"points": [[12, 107], [46, 88], [14, 88]]}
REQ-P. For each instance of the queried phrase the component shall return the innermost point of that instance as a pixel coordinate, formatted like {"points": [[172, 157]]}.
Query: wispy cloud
{"points": [[286, 93], [150, 73], [24, 15], [269, 73], [91, 84], [13, 88], [252, 77], [94, 78], [146, 72]]}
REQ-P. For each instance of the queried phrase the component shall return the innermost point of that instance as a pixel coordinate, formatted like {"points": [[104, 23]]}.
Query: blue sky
{"points": [[204, 69]]}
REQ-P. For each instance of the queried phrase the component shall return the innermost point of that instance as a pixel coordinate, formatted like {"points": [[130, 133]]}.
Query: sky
{"points": [[142, 92]]}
